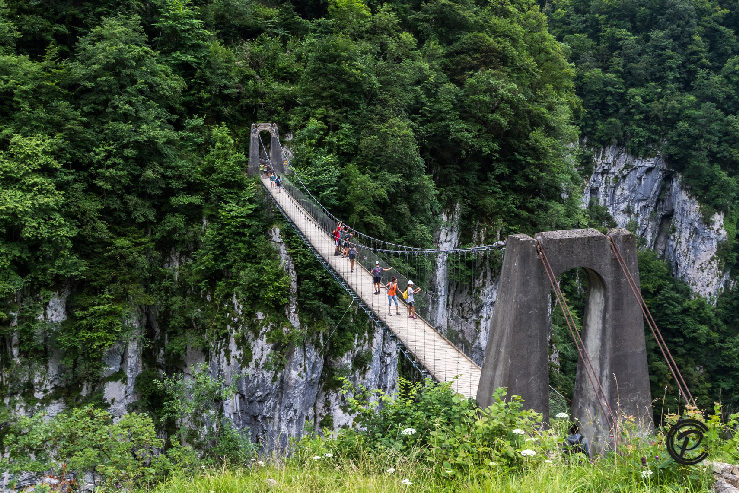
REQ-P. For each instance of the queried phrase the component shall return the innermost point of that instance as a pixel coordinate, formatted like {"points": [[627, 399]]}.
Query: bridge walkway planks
{"points": [[435, 353]]}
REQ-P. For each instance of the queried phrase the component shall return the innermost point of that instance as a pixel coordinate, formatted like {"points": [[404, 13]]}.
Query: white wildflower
{"points": [[491, 464], [562, 416], [316, 457], [408, 431], [260, 463], [448, 471], [519, 431], [527, 452], [533, 439], [646, 474], [548, 461], [328, 455], [407, 481], [391, 470]]}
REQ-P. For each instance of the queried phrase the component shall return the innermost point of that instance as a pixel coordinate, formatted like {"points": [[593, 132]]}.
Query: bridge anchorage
{"points": [[612, 379]]}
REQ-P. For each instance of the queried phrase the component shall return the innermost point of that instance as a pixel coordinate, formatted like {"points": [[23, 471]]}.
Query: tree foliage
{"points": [[123, 126]]}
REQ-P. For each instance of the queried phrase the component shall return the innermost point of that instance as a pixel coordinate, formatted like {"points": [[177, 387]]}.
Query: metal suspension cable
{"points": [[581, 350], [325, 344], [679, 380], [398, 247]]}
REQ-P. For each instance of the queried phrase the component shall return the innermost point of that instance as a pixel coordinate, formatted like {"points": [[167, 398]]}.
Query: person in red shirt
{"points": [[337, 239]]}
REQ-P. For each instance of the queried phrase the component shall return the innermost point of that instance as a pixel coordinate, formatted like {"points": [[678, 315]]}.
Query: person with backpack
{"points": [[575, 443], [347, 240], [278, 182], [352, 254], [409, 298], [392, 295], [377, 276]]}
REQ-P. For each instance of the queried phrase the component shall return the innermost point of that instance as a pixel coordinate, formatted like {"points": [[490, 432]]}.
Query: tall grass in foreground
{"points": [[347, 476], [426, 438]]}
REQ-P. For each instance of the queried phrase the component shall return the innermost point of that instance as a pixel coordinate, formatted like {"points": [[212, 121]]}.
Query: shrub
{"points": [[85, 440], [444, 429]]}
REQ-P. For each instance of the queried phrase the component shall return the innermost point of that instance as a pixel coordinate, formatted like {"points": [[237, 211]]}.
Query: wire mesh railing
{"points": [[437, 355], [417, 265]]}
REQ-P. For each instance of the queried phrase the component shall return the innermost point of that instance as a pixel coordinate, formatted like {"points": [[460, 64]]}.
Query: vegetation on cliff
{"points": [[122, 134]]}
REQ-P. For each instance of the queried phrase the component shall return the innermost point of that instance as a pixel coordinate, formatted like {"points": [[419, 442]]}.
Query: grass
{"points": [[370, 474]]}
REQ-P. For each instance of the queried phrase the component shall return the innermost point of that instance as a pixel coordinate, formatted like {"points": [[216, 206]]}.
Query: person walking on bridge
{"points": [[352, 254], [377, 276], [337, 239], [392, 295], [412, 290], [348, 235]]}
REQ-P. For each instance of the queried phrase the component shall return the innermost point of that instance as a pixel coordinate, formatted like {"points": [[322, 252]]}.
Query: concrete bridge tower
{"points": [[276, 157], [517, 354]]}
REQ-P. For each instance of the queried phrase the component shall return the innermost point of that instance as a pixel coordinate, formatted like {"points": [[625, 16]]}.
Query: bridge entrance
{"points": [[275, 156], [612, 376]]}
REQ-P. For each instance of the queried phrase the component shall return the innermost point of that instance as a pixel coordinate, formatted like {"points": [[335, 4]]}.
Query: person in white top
{"points": [[412, 290]]}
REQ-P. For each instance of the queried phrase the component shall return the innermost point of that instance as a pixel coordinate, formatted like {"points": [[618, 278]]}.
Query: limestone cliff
{"points": [[462, 311], [275, 406], [272, 405], [643, 195]]}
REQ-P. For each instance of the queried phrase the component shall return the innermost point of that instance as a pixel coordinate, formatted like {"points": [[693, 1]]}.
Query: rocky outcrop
{"points": [[726, 477], [275, 404], [276, 393], [644, 196], [462, 311]]}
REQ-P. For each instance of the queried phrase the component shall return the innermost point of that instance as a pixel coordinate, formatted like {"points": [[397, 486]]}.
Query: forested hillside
{"points": [[123, 192]]}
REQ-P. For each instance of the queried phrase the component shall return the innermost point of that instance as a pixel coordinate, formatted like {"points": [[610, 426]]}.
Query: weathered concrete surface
{"points": [[275, 152], [613, 332]]}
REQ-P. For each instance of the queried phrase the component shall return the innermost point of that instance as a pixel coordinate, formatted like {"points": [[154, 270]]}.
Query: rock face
{"points": [[645, 197], [726, 477], [275, 404], [274, 401], [462, 311]]}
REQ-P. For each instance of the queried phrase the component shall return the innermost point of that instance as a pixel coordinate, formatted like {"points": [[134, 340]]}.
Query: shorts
{"points": [[391, 298], [352, 257], [409, 303], [346, 244], [336, 242], [376, 279]]}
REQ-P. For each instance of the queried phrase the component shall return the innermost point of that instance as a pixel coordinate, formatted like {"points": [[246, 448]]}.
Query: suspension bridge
{"points": [[612, 370], [433, 352]]}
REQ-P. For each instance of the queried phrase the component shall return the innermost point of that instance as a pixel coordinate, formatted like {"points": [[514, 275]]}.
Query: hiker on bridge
{"points": [[412, 290], [347, 240], [377, 276], [352, 254], [392, 295], [272, 178], [278, 182], [337, 239]]}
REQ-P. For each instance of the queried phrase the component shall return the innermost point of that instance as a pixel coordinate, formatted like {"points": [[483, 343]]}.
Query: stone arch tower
{"points": [[517, 354], [276, 157]]}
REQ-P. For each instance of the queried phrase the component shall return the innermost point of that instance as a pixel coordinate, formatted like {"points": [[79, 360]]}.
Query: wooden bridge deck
{"points": [[435, 353]]}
